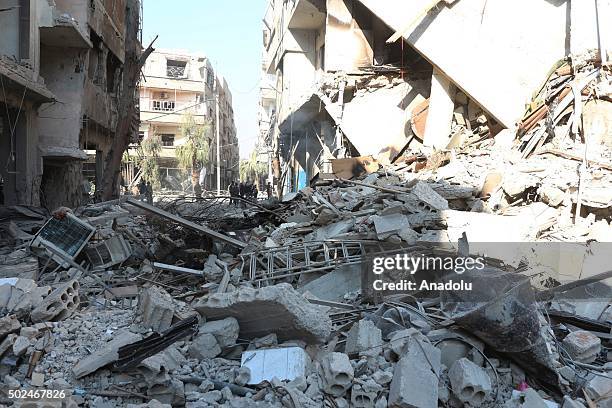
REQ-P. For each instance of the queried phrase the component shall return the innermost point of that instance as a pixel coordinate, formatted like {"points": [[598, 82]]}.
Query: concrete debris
{"points": [[59, 304], [225, 331], [364, 338], [105, 355], [337, 373], [470, 383], [582, 346], [270, 303], [415, 377], [277, 308]]}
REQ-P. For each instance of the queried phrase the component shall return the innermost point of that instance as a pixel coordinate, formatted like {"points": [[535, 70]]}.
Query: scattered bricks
{"points": [[105, 355], [60, 303], [415, 377], [582, 346], [362, 399], [156, 308], [337, 373], [364, 338], [204, 346], [225, 331], [272, 309], [470, 383], [21, 346], [8, 324]]}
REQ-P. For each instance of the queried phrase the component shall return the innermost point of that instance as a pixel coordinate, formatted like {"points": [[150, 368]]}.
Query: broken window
{"points": [[112, 72], [175, 69], [167, 140]]}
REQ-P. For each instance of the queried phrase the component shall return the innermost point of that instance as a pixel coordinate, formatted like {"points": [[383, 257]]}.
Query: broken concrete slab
{"points": [[389, 224], [471, 384], [333, 230], [156, 309], [415, 377], [286, 364], [105, 355], [279, 309], [335, 284]]}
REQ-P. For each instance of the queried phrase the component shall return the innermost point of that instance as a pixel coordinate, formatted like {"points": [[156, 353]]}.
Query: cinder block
{"points": [[362, 399], [471, 384], [337, 373], [364, 338], [415, 377], [582, 345], [156, 308], [59, 304]]}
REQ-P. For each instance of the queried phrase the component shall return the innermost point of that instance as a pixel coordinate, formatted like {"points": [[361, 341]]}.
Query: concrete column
{"points": [[440, 114], [28, 161]]}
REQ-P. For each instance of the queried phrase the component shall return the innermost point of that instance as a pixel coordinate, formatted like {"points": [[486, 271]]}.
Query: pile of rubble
{"points": [[198, 303]]}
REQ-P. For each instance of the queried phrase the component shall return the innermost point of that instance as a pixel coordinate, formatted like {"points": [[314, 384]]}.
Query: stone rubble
{"points": [[286, 279]]}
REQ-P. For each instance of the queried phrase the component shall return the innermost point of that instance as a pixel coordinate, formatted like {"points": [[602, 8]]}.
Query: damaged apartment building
{"points": [[368, 78], [60, 64], [178, 83]]}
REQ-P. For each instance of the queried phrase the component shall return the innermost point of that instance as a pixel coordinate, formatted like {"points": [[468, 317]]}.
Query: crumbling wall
{"points": [[64, 73]]}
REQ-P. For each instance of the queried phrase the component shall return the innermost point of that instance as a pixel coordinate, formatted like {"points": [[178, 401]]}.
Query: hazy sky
{"points": [[229, 33]]}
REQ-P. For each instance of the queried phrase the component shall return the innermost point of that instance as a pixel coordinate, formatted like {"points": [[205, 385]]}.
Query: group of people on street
{"points": [[247, 191]]}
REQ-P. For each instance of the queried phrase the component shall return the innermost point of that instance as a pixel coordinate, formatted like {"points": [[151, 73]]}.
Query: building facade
{"points": [[60, 64], [346, 78], [179, 83]]}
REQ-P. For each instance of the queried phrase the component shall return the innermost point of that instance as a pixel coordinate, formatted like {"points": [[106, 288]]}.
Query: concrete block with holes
{"points": [[337, 373], [416, 376], [470, 383], [59, 304]]}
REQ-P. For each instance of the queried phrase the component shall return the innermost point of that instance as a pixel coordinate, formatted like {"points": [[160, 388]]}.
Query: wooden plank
{"points": [[186, 223]]}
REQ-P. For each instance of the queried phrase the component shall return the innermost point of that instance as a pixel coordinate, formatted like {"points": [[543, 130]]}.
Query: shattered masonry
{"points": [[400, 147]]}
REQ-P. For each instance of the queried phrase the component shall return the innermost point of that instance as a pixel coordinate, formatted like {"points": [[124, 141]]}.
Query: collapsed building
{"points": [[61, 65], [368, 78], [178, 83], [283, 302]]}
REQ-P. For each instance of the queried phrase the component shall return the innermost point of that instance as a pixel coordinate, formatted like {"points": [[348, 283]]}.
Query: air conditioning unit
{"points": [[163, 95]]}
